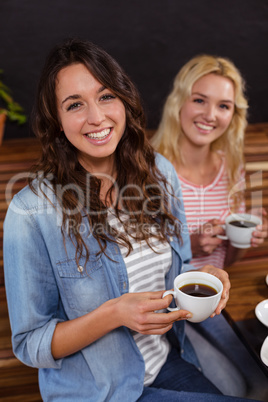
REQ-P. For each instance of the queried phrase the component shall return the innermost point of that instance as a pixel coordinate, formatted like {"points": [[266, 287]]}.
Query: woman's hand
{"points": [[224, 278], [261, 231], [139, 312], [204, 240]]}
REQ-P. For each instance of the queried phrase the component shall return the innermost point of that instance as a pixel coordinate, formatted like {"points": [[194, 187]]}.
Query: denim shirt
{"points": [[45, 285]]}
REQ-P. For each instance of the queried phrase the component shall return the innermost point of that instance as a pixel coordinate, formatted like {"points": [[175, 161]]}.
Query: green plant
{"points": [[12, 110]]}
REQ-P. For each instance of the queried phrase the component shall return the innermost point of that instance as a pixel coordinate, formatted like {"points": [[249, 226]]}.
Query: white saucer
{"points": [[261, 311], [264, 351]]}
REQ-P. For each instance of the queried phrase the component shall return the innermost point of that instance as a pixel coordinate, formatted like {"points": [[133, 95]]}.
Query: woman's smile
{"points": [[100, 137], [208, 112], [204, 127], [92, 117]]}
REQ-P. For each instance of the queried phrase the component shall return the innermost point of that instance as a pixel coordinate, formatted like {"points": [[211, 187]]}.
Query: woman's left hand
{"points": [[261, 231], [224, 278]]}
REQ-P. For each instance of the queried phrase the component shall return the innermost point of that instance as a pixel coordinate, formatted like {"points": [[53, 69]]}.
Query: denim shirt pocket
{"points": [[82, 286]]}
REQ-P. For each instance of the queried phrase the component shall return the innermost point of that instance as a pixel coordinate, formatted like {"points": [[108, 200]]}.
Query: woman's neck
{"points": [[198, 165], [104, 169]]}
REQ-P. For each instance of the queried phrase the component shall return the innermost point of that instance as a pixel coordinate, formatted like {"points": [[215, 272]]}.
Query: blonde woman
{"points": [[202, 133]]}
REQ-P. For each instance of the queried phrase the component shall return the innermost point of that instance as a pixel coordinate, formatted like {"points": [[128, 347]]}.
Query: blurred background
{"points": [[151, 39]]}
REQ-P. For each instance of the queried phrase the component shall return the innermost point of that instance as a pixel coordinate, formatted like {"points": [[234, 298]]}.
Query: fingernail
{"points": [[189, 315]]}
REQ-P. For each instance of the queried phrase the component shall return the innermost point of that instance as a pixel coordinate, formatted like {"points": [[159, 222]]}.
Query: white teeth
{"points": [[100, 135], [204, 126]]}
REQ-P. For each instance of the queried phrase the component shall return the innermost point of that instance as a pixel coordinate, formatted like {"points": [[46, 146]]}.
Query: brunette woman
{"points": [[94, 240]]}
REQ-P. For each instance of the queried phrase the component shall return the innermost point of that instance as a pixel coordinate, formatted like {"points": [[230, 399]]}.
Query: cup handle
{"points": [[222, 236], [170, 292]]}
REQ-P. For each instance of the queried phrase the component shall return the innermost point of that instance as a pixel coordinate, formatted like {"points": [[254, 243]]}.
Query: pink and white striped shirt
{"points": [[203, 203]]}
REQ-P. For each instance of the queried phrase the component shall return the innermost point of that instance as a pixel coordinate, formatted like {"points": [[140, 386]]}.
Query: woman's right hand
{"points": [[139, 312], [204, 240]]}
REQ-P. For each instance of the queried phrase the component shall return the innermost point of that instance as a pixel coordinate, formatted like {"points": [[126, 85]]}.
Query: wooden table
{"points": [[248, 289]]}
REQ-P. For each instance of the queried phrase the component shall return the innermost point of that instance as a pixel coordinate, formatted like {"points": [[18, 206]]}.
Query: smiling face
{"points": [[91, 116], [208, 111]]}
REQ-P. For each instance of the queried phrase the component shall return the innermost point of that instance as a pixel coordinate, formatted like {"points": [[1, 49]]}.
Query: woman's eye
{"points": [[198, 100], [107, 97], [223, 106], [73, 106]]}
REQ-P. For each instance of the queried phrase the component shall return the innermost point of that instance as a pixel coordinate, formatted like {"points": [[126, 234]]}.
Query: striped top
{"points": [[146, 273], [203, 203]]}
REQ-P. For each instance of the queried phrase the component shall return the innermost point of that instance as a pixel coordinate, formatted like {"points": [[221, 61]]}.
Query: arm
{"points": [[261, 231], [136, 311], [204, 240], [224, 277], [31, 289], [40, 333]]}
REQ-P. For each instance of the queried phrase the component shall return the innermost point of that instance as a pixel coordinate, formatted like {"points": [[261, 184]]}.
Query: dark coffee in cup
{"points": [[243, 224], [198, 290]]}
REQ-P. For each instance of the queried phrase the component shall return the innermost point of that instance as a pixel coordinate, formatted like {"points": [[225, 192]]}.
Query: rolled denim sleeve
{"points": [[31, 288]]}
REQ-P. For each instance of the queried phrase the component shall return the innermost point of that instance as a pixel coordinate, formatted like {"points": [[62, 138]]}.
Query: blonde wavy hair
{"points": [[166, 140]]}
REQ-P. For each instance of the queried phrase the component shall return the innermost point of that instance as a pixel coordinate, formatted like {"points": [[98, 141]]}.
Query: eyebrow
{"points": [[204, 96], [77, 96]]}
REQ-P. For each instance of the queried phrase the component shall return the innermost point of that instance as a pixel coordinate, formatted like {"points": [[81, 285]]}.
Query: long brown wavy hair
{"points": [[134, 157]]}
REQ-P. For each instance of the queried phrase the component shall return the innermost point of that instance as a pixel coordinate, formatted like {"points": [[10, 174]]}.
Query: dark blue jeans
{"points": [[180, 381]]}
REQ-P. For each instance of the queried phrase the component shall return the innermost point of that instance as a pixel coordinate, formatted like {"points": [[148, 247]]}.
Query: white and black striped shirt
{"points": [[146, 272]]}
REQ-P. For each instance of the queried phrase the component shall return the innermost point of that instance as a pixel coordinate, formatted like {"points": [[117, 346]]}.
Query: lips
{"points": [[99, 135], [205, 127], [99, 138]]}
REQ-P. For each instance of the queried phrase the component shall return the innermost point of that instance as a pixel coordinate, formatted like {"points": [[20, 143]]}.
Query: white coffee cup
{"points": [[200, 307], [240, 236]]}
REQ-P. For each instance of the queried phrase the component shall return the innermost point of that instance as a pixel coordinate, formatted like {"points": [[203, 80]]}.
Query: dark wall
{"points": [[152, 39]]}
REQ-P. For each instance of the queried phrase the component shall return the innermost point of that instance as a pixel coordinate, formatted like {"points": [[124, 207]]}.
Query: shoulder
{"points": [[164, 165], [29, 200], [169, 172]]}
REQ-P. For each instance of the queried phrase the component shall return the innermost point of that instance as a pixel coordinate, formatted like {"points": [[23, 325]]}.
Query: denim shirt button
{"points": [[124, 285], [80, 268], [171, 238]]}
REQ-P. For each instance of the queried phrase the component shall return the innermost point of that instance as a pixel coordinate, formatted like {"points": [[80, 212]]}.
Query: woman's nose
{"points": [[210, 113], [95, 115]]}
